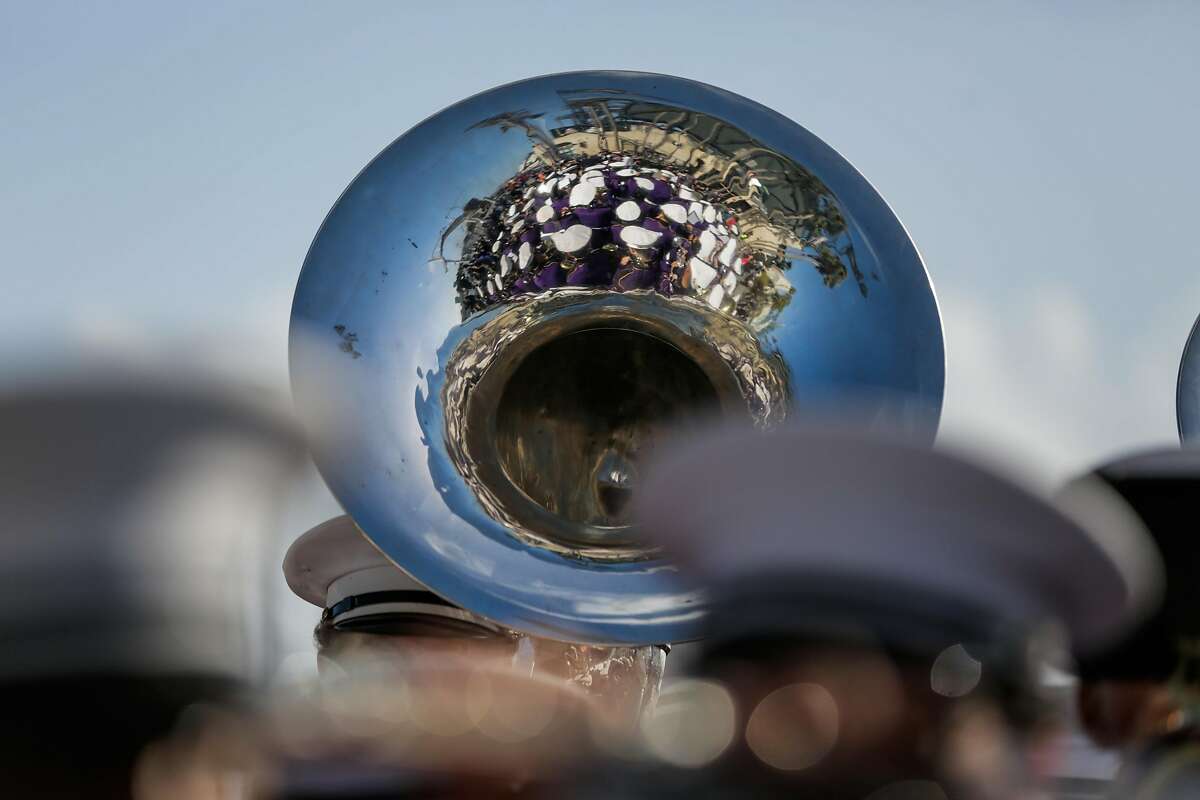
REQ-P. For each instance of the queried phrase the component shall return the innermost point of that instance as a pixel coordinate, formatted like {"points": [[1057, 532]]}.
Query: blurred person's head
{"points": [[377, 620], [880, 611], [444, 730], [133, 511], [1147, 684]]}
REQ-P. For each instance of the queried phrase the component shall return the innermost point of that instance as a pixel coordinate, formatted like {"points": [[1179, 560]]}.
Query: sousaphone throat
{"points": [[512, 303]]}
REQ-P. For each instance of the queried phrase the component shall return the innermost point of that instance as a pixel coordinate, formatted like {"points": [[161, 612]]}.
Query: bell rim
{"points": [[652, 577]]}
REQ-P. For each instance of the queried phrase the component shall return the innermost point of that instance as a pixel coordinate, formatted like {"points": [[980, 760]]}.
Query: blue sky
{"points": [[165, 166]]}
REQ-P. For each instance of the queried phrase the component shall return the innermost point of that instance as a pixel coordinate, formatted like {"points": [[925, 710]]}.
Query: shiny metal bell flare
{"points": [[512, 304], [1187, 391]]}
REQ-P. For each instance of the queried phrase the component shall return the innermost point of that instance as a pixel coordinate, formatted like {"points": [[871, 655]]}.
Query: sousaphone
{"points": [[511, 304], [1187, 392]]}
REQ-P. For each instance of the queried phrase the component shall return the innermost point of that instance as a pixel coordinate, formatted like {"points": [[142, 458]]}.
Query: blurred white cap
{"points": [[821, 520]]}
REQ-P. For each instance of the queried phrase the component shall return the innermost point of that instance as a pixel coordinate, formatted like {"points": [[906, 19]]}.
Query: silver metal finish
{"points": [[513, 303], [1187, 391]]}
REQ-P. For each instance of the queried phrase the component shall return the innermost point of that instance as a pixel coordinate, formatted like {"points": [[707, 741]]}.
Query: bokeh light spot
{"points": [[694, 724], [793, 727]]}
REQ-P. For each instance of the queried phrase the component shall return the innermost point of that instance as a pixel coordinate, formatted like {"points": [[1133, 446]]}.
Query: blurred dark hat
{"points": [[1163, 489], [816, 534], [134, 509]]}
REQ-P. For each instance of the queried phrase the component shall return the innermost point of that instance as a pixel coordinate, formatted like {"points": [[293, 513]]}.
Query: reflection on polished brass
{"points": [[635, 197], [675, 201], [514, 302], [1187, 392]]}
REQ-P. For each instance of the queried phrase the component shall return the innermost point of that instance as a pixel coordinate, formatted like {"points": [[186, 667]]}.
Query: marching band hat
{"points": [[334, 566], [1163, 488], [801, 533]]}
